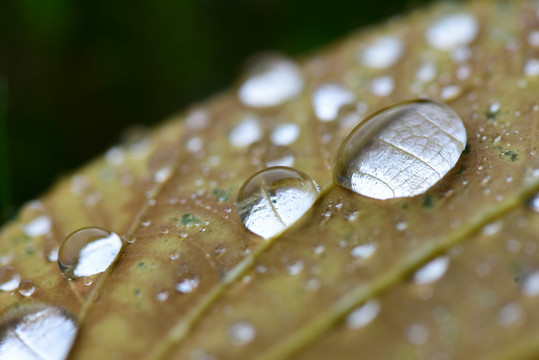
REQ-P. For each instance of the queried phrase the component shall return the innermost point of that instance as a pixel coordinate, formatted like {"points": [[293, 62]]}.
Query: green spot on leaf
{"points": [[222, 195]]}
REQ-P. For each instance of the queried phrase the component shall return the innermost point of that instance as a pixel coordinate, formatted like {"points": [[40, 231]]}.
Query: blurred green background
{"points": [[74, 74]]}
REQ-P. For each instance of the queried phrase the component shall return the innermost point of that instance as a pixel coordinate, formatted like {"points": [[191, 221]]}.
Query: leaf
{"points": [[173, 190]]}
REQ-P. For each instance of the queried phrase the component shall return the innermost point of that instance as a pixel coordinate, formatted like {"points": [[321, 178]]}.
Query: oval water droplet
{"points": [[188, 282], [327, 99], [270, 82], [273, 199], [400, 151], [36, 332], [241, 333], [88, 251], [363, 315], [26, 288], [452, 31], [9, 278]]}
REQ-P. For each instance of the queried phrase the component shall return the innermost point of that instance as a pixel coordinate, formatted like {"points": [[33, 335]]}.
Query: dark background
{"points": [[74, 74]]}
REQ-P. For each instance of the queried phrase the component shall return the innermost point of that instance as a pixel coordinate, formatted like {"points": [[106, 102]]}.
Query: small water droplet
{"points": [[363, 315], [162, 296], [384, 52], [452, 31], [400, 151], [417, 334], [278, 156], [363, 251], [510, 314], [531, 68], [401, 226], [246, 132], [187, 283], [271, 81], [88, 281], [432, 271], [533, 203], [36, 332], [530, 286], [144, 220], [295, 268], [327, 99], [26, 288], [129, 238], [41, 225], [9, 278], [163, 229], [115, 156], [241, 333], [382, 86], [88, 251], [273, 199], [284, 134]]}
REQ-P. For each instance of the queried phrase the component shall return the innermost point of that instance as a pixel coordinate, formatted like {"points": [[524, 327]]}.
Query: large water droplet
{"points": [[36, 332], [275, 198], [400, 151], [88, 251], [271, 82]]}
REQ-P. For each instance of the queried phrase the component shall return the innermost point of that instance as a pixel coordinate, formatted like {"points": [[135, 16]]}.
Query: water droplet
{"points": [[115, 156], [400, 151], [88, 281], [278, 156], [187, 283], [450, 92], [363, 251], [270, 82], [531, 68], [163, 229], [363, 315], [36, 332], [88, 251], [162, 296], [452, 31], [273, 199], [295, 268], [382, 86], [426, 72], [129, 238], [530, 286], [241, 333], [144, 220], [510, 314], [284, 134], [417, 334], [533, 203], [41, 225], [26, 288], [9, 278], [384, 52], [327, 99], [432, 272], [246, 132]]}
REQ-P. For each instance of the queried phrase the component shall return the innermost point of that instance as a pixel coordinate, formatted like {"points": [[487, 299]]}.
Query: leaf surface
{"points": [[173, 189]]}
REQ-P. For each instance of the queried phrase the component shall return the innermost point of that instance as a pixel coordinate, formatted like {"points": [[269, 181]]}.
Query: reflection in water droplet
{"points": [[241, 333], [274, 198], [363, 315], [452, 31], [88, 251], [432, 272], [26, 288], [36, 332], [278, 156], [9, 278], [271, 82], [384, 52], [327, 99], [400, 151]]}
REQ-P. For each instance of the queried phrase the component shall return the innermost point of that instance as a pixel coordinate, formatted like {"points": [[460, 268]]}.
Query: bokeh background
{"points": [[74, 74]]}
